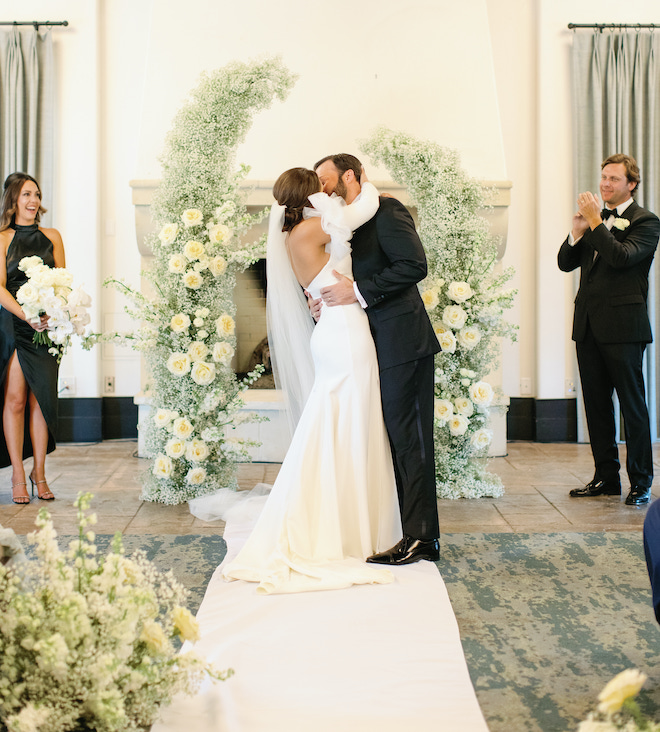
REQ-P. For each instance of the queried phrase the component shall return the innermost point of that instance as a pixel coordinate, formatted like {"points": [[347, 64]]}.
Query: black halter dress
{"points": [[38, 366]]}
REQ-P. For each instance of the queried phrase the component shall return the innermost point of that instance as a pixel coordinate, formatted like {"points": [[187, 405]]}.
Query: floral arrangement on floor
{"points": [[187, 325], [49, 291], [617, 708], [86, 642], [465, 297]]}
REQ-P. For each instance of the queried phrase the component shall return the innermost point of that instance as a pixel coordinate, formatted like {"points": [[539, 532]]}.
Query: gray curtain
{"points": [[26, 106], [616, 102]]}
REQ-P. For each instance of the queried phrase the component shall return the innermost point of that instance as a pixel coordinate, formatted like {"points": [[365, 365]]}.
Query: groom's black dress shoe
{"points": [[409, 550], [597, 487], [638, 496]]}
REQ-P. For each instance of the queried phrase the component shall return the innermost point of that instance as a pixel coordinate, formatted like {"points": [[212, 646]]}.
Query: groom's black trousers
{"points": [[407, 396]]}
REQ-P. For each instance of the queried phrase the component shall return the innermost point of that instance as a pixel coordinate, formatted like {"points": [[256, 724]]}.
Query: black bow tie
{"points": [[607, 212]]}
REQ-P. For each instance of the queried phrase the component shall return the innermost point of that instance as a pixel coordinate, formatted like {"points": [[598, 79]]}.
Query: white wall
{"points": [[489, 77]]}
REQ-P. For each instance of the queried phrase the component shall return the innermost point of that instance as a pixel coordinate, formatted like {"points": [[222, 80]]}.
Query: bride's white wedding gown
{"points": [[334, 502]]}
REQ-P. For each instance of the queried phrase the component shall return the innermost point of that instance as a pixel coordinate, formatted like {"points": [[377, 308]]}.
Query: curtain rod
{"points": [[35, 23], [612, 26]]}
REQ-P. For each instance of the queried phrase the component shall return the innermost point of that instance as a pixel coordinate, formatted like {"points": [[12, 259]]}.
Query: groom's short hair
{"points": [[343, 162]]}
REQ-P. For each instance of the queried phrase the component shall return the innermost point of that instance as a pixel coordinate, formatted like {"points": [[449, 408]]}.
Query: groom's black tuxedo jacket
{"points": [[614, 285], [388, 262]]}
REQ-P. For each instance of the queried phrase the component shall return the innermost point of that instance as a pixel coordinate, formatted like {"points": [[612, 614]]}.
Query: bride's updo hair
{"points": [[292, 190]]}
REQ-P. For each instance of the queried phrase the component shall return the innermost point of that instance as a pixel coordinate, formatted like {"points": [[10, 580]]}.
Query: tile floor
{"points": [[537, 478]]}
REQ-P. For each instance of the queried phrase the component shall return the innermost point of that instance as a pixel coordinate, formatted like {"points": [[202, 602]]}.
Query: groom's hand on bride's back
{"points": [[314, 306], [341, 293]]}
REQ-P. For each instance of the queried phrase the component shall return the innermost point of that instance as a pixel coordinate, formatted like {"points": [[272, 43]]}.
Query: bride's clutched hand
{"points": [[363, 176], [314, 306]]}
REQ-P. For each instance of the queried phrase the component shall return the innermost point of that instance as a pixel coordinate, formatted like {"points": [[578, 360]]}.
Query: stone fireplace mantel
{"points": [[498, 197]]}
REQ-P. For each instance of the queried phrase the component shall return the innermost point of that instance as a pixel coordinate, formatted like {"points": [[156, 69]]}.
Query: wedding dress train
{"points": [[334, 502]]}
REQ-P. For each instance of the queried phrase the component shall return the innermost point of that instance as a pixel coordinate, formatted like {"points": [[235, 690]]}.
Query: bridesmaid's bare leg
{"points": [[39, 435], [13, 424]]}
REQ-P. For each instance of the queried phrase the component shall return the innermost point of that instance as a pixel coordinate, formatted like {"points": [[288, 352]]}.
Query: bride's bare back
{"points": [[306, 246]]}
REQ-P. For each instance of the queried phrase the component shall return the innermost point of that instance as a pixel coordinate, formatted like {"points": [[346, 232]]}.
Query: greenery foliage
{"points": [[187, 325], [465, 297]]}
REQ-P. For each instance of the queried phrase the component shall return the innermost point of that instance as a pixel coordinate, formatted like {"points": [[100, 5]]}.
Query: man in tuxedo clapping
{"points": [[614, 248]]}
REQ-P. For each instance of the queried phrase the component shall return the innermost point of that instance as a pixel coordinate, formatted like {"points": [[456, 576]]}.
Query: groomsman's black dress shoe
{"points": [[638, 496], [409, 550], [597, 487]]}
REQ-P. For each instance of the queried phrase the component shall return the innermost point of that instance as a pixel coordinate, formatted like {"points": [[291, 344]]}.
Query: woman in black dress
{"points": [[28, 371]]}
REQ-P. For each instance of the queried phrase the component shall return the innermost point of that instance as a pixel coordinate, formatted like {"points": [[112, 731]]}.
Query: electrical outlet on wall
{"points": [[526, 386], [109, 385]]}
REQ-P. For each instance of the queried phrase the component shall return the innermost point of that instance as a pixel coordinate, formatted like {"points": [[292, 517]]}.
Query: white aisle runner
{"points": [[371, 658]]}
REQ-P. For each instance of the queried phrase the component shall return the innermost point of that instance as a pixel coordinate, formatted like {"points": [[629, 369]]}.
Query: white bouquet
{"points": [[88, 642], [49, 290]]}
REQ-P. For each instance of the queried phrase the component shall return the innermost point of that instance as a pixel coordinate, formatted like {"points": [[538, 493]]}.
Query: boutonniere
{"points": [[621, 224]]}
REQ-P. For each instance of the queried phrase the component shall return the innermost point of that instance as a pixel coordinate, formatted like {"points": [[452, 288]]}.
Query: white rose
{"points": [[162, 417], [178, 364], [459, 291], [430, 298], [225, 325], [223, 352], [168, 233], [78, 298], [202, 313], [203, 373], [192, 217], [177, 264], [447, 342], [182, 428], [469, 337], [180, 322], [621, 687], [464, 406], [458, 424], [481, 438], [197, 351], [197, 451], [194, 250], [443, 409], [27, 263], [621, 224], [196, 476], [218, 266], [198, 322], [193, 280], [202, 334], [439, 328], [219, 234], [175, 448], [481, 393], [162, 466], [454, 316]]}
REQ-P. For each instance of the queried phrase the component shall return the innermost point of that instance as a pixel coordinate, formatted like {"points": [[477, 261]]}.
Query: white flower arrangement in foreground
{"points": [[617, 708], [49, 290], [187, 331], [86, 642], [465, 297]]}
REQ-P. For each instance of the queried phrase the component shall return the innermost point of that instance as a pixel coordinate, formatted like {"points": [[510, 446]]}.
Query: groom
{"points": [[388, 262]]}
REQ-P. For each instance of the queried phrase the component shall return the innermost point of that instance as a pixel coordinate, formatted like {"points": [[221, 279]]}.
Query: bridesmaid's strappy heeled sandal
{"points": [[20, 500], [46, 495]]}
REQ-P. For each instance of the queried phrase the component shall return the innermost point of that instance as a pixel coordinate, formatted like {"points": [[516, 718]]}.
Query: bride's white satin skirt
{"points": [[334, 502]]}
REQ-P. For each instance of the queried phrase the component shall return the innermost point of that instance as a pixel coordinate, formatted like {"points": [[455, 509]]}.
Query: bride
{"points": [[334, 502]]}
